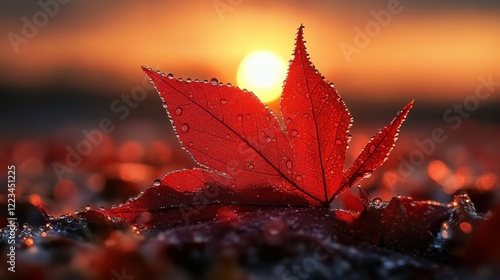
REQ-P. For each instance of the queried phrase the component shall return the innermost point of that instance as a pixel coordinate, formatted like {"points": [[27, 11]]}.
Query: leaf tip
{"points": [[299, 40], [409, 105], [146, 69], [407, 108]]}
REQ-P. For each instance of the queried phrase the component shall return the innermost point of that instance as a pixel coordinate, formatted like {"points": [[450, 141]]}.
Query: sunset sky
{"points": [[425, 50]]}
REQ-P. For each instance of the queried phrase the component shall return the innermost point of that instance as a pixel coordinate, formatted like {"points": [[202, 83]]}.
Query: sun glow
{"points": [[263, 73]]}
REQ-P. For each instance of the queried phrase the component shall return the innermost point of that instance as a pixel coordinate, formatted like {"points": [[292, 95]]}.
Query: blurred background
{"points": [[70, 67]]}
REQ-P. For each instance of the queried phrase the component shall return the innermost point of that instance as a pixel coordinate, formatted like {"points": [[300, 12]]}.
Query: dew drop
{"points": [[250, 166], [371, 149], [294, 133], [178, 111], [377, 202], [185, 128], [288, 120], [223, 101], [240, 118], [268, 139], [188, 80], [156, 182], [289, 164], [214, 81], [298, 178], [305, 115], [170, 76], [338, 142], [88, 207]]}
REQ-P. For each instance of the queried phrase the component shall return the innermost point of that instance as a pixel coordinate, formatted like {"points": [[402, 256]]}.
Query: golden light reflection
{"points": [[159, 152], [262, 72], [29, 242], [65, 190], [487, 181], [96, 182], [389, 179], [135, 172], [437, 170], [465, 227], [131, 151], [35, 200]]}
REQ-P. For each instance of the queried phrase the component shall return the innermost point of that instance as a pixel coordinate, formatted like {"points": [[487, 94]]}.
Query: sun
{"points": [[263, 73]]}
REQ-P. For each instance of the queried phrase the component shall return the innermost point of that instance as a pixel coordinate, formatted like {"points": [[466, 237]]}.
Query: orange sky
{"points": [[431, 53]]}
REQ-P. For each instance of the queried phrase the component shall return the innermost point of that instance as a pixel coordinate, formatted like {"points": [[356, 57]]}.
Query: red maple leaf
{"points": [[248, 158]]}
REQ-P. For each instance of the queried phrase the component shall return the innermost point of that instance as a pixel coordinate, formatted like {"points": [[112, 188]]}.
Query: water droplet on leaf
{"points": [[185, 128], [178, 111], [371, 149], [377, 202]]}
